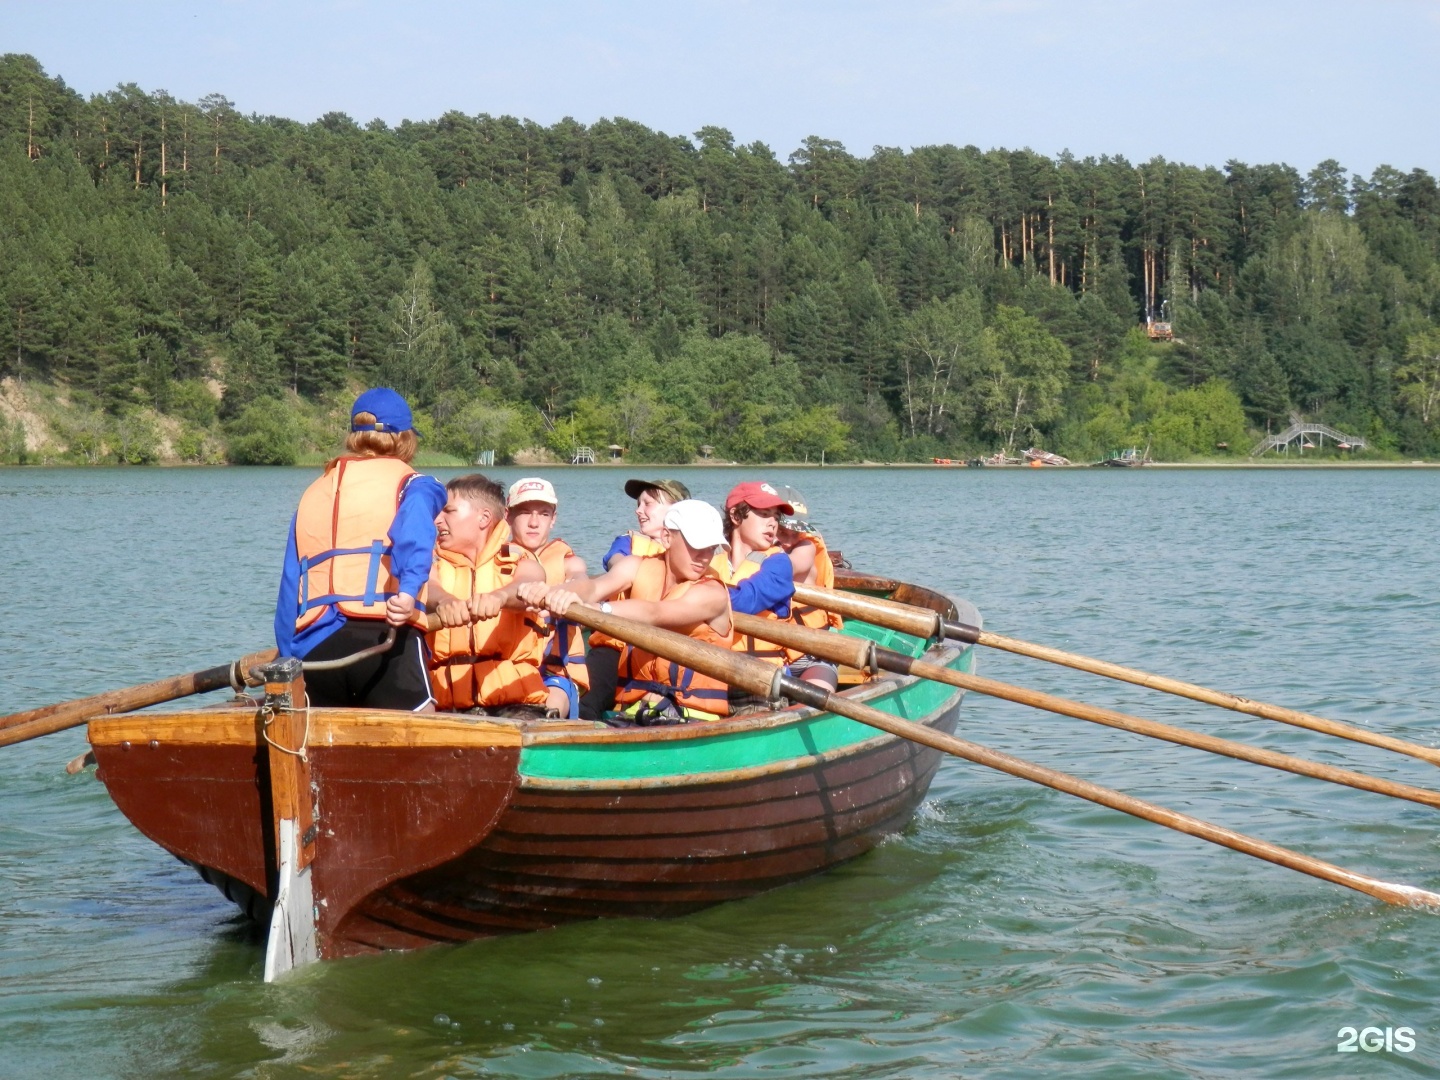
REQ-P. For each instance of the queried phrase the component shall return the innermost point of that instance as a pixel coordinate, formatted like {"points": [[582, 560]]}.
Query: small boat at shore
{"points": [[1126, 459], [1035, 456], [423, 829]]}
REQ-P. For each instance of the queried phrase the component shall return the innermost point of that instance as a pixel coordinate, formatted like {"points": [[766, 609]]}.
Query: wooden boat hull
{"points": [[444, 829], [563, 852]]}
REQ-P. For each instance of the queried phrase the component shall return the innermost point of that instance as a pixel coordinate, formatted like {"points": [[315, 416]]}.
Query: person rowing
{"points": [[602, 663], [486, 656], [763, 575], [811, 563], [357, 557], [531, 509], [676, 589]]}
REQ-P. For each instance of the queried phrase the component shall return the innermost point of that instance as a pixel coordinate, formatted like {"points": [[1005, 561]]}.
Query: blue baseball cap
{"points": [[389, 409]]}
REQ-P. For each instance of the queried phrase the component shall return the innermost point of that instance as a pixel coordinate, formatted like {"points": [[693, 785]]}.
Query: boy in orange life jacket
{"points": [[812, 566], [762, 577], [531, 506], [676, 590], [359, 553], [488, 654], [652, 499]]}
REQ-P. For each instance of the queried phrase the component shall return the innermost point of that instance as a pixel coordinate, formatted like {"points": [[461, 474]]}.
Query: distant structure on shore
{"points": [[1301, 432]]}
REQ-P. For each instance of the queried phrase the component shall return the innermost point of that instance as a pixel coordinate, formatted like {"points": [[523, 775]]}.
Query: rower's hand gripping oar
{"points": [[866, 655], [759, 677], [924, 623]]}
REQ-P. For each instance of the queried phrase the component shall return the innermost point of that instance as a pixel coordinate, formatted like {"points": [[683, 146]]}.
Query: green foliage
{"points": [[812, 434], [1419, 376], [266, 433], [84, 433], [193, 445], [1196, 421], [12, 444], [943, 355], [134, 439], [425, 358], [1023, 378], [487, 424], [589, 285], [192, 400], [252, 370]]}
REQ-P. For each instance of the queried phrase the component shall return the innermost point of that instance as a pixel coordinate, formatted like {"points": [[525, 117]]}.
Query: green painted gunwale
{"points": [[808, 735]]}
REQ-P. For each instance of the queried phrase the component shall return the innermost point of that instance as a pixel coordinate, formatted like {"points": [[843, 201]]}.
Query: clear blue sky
{"points": [[1200, 81]]}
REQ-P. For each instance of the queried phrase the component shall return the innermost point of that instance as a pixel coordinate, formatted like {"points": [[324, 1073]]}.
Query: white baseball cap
{"points": [[531, 489], [698, 522]]}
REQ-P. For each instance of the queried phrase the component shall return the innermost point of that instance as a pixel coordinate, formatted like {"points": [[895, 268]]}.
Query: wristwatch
{"points": [[605, 608]]}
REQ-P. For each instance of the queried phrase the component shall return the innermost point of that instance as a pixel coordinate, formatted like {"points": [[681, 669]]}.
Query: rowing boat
{"points": [[422, 829]]}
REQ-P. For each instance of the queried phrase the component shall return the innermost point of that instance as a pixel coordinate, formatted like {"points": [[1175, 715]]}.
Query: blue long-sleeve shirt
{"points": [[412, 540], [768, 589], [619, 548]]}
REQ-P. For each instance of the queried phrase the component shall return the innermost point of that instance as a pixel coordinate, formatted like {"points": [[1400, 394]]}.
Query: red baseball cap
{"points": [[758, 494]]}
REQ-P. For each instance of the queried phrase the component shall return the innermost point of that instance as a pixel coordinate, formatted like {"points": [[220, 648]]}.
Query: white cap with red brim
{"points": [[698, 522], [531, 489]]}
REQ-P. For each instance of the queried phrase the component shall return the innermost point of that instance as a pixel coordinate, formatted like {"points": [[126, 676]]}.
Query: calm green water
{"points": [[1011, 931]]}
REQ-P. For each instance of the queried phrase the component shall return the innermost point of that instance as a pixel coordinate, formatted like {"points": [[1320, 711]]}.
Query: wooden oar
{"points": [[924, 623], [857, 653], [759, 677], [31, 724]]}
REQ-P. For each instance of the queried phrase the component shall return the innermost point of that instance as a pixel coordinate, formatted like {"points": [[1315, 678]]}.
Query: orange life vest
{"points": [[761, 650], [806, 614], [640, 544], [564, 652], [645, 673], [342, 531], [495, 661]]}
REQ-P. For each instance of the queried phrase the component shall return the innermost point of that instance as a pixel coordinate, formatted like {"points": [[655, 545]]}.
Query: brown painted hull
{"points": [[559, 856], [392, 799]]}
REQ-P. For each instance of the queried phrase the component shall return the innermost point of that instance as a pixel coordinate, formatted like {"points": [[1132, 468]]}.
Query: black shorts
{"points": [[603, 664], [397, 679]]}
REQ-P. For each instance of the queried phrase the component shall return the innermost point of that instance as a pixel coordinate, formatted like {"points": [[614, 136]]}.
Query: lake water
{"points": [[1010, 931]]}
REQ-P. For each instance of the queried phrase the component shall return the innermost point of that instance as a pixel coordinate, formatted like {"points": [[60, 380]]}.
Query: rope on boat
{"points": [[268, 713], [327, 665]]}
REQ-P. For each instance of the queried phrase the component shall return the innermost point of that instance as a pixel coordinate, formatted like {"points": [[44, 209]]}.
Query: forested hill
{"points": [[567, 285]]}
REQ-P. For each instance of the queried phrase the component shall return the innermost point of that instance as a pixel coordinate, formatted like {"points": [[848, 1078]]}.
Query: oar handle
{"points": [[732, 668], [757, 676]]}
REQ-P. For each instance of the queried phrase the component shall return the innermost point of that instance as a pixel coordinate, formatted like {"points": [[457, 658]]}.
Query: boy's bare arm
{"points": [[583, 590], [703, 603]]}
